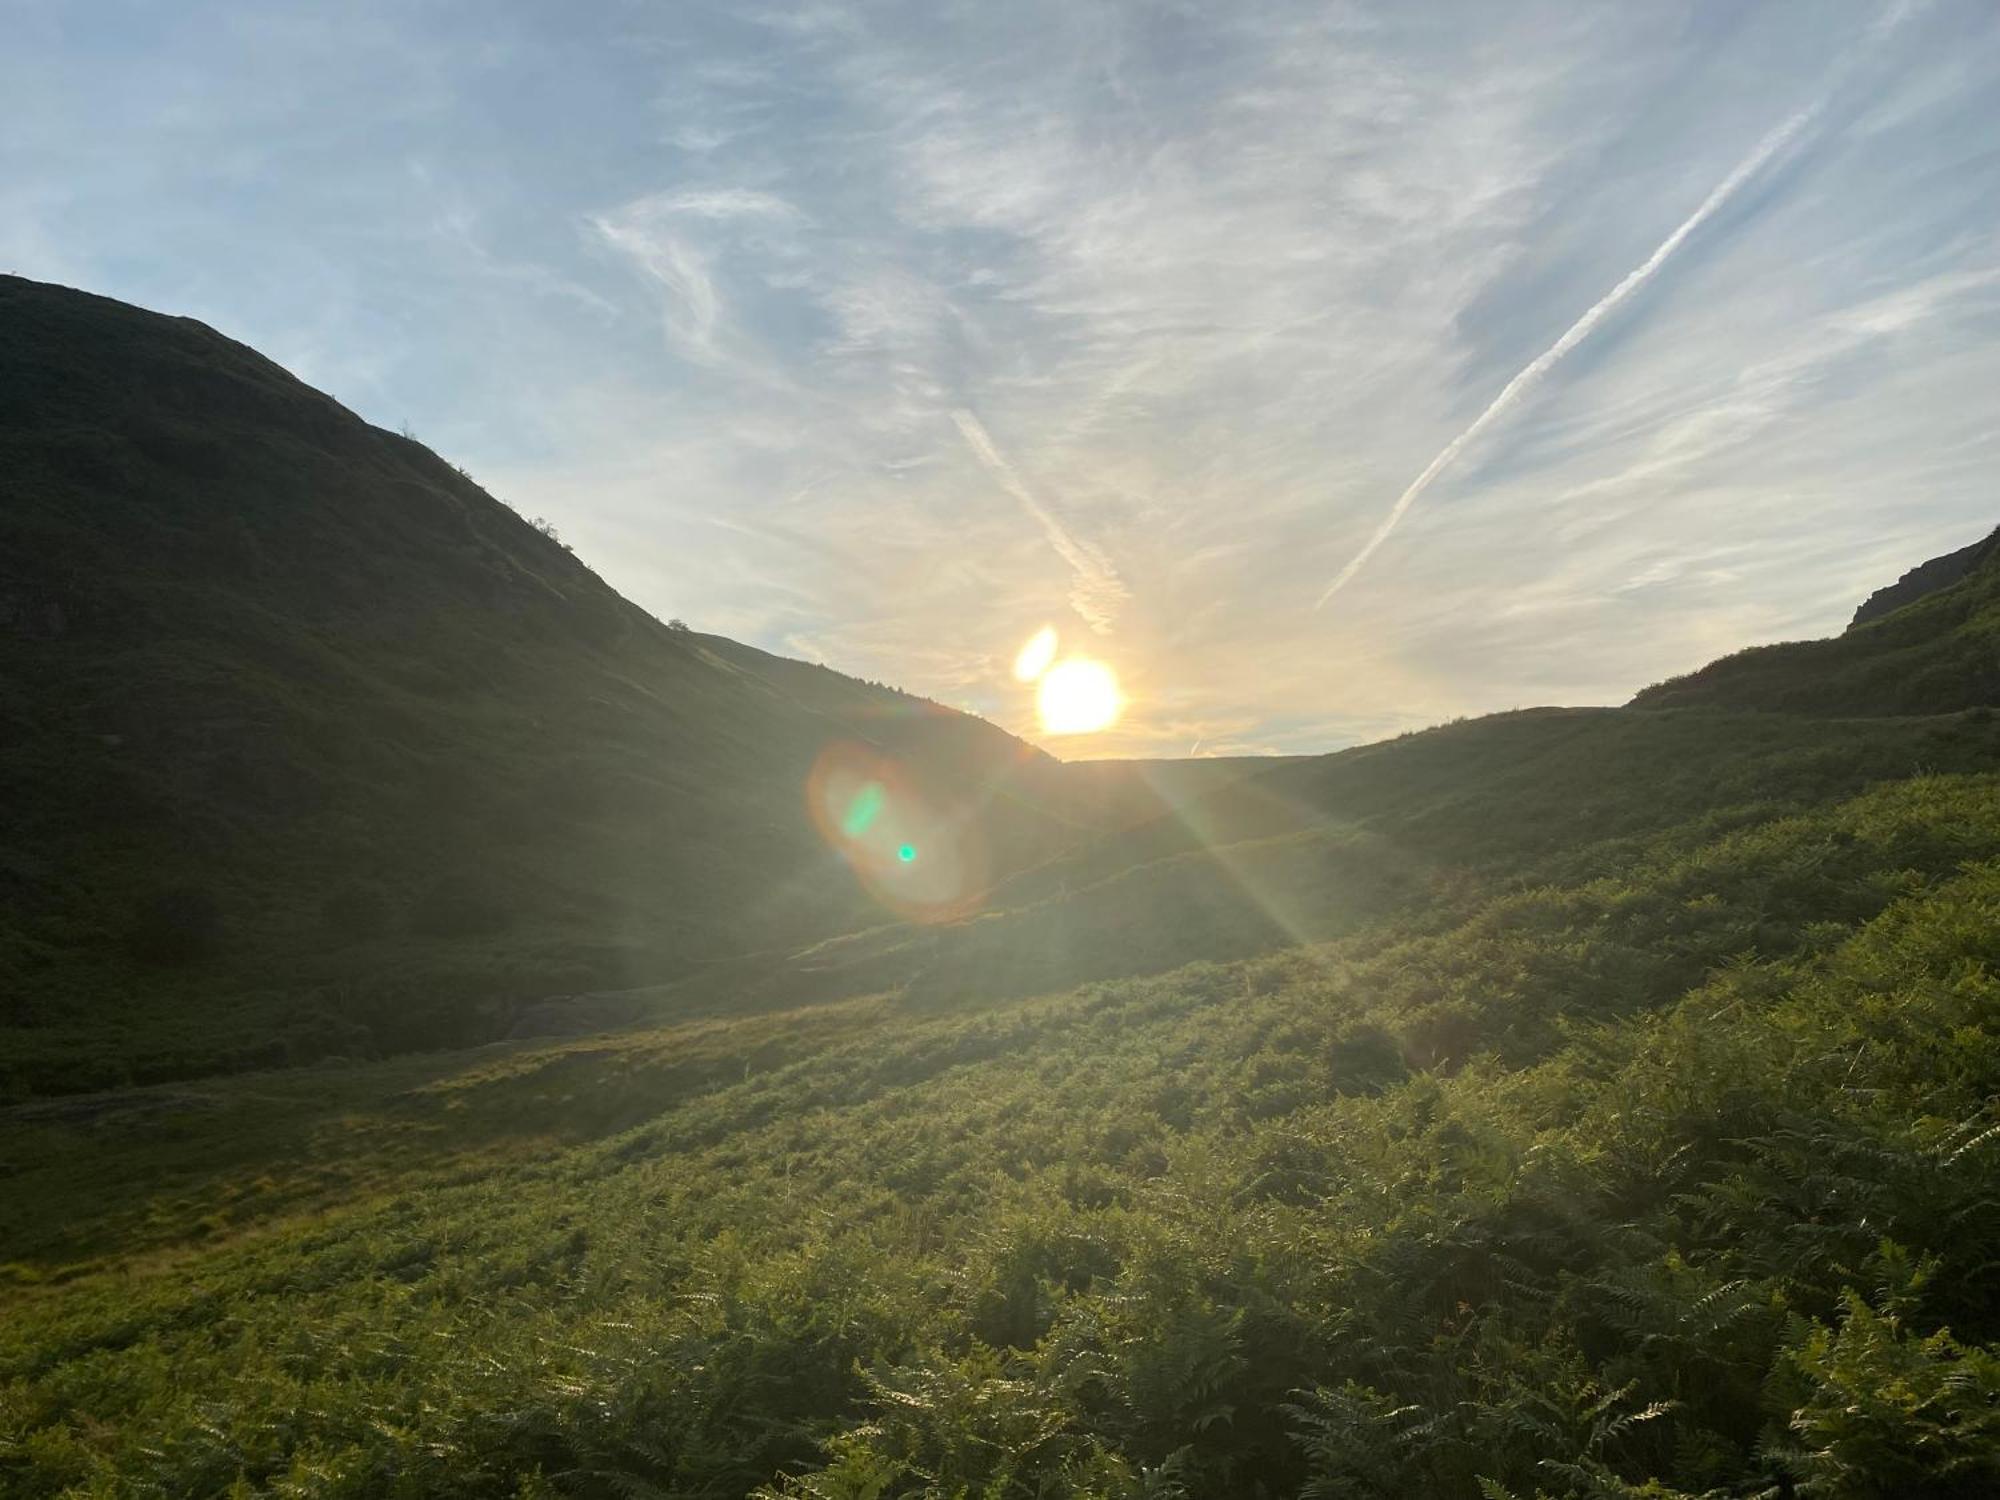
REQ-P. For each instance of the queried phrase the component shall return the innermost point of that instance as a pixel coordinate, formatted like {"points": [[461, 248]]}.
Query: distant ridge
{"points": [[1927, 578], [1927, 644]]}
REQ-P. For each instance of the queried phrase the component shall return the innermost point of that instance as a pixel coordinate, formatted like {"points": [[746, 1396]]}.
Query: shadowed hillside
{"points": [[1596, 1104], [1631, 1135], [310, 746], [317, 749], [1311, 848]]}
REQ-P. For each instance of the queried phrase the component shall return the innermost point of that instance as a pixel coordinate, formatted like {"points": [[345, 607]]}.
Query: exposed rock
{"points": [[1926, 578]]}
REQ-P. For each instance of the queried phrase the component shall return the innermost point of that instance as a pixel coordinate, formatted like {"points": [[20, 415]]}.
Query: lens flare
{"points": [[1078, 696], [863, 810], [1036, 655], [919, 849]]}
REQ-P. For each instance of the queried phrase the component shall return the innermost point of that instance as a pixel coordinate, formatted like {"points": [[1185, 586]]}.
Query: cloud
{"points": [[1210, 285], [662, 234], [1773, 143], [1096, 592], [719, 203], [694, 309]]}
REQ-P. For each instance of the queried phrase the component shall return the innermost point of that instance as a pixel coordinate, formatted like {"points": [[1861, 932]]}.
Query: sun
{"points": [[1078, 696], [1073, 696]]}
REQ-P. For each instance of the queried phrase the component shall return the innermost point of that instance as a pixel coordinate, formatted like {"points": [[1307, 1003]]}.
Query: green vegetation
{"points": [[1682, 1173], [311, 748], [1939, 653], [1572, 1103]]}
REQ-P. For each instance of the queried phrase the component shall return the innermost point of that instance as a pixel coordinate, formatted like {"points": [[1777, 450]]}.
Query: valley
{"points": [[442, 1057]]}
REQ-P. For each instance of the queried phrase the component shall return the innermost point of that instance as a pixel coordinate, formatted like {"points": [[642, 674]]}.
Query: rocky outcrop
{"points": [[1926, 578]]}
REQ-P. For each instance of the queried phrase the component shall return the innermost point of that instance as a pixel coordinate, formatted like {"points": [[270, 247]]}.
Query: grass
{"points": [[1572, 1103], [1422, 1174], [1937, 654]]}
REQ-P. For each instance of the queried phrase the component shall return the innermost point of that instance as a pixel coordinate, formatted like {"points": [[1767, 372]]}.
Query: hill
{"points": [[1926, 578], [1309, 848], [311, 747], [1596, 1104], [1937, 653], [1670, 1175]]}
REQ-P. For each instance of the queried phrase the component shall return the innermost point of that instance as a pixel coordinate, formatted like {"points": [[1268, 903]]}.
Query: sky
{"points": [[1328, 370]]}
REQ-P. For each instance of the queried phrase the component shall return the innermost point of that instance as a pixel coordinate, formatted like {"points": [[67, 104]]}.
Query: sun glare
{"points": [[1078, 696], [1036, 655]]}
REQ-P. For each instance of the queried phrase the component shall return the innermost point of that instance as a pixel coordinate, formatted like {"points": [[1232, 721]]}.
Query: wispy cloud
{"points": [[1096, 592], [1769, 148], [897, 333]]}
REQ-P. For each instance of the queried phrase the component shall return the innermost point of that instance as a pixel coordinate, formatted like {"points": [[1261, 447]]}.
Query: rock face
{"points": [[1926, 578]]}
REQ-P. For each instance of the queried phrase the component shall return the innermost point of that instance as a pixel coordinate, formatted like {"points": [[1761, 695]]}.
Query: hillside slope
{"points": [[1938, 653], [1311, 848], [1617, 1120], [1926, 578], [1659, 1165], [311, 746]]}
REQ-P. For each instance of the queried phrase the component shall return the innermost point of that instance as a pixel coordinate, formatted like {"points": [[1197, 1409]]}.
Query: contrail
{"points": [[1096, 591], [1773, 142]]}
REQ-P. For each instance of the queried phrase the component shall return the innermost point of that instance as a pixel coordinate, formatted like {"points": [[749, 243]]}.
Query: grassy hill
{"points": [[1927, 578], [1571, 1103], [1674, 1178], [311, 747], [1312, 849], [1937, 654]]}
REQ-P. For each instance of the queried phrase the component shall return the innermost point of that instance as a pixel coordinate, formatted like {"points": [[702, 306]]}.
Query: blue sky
{"points": [[886, 334]]}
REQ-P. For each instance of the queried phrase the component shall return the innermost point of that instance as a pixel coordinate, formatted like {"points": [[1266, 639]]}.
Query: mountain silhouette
{"points": [[311, 745]]}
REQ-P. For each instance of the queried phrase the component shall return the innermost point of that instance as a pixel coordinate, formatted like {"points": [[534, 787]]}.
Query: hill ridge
{"points": [[1927, 578], [292, 706]]}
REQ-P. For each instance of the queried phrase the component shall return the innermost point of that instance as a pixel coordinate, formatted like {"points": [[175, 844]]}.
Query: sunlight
{"points": [[1079, 696], [1036, 655]]}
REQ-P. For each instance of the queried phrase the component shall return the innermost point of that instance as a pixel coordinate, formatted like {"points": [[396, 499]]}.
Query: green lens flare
{"points": [[863, 810], [907, 853]]}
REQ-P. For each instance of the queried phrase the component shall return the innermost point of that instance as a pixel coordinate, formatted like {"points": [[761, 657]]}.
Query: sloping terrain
{"points": [[1573, 1103], [1312, 849], [1937, 654], [1927, 578], [1669, 1176], [309, 746], [1308, 848]]}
